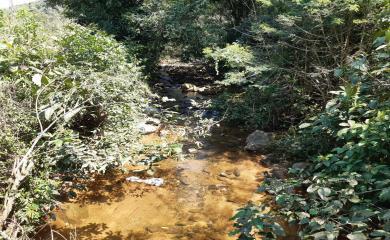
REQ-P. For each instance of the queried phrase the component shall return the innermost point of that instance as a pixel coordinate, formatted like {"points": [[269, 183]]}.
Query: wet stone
{"points": [[236, 172], [153, 229], [216, 187], [279, 173], [185, 181], [257, 140], [223, 174]]}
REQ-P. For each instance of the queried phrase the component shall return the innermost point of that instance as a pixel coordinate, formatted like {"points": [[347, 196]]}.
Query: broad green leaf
{"points": [[304, 125], [357, 236], [324, 193], [69, 115], [385, 195], [380, 233]]}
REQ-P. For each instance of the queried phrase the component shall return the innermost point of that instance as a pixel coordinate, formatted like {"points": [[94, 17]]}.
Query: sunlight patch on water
{"points": [[197, 201]]}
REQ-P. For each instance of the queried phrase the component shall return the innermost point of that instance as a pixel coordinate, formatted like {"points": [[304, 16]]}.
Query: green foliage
{"points": [[280, 62], [265, 107], [251, 220], [78, 81], [90, 48], [153, 28], [296, 45], [345, 191], [239, 59], [36, 201]]}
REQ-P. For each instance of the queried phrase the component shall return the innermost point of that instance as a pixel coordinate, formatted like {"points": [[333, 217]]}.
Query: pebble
{"points": [[222, 174], [236, 172]]}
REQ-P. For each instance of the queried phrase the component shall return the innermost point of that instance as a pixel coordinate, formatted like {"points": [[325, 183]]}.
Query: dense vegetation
{"points": [[70, 96], [317, 70]]}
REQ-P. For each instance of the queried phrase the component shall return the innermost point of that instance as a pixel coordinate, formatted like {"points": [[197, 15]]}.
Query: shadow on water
{"points": [[199, 196], [196, 202], [90, 231]]}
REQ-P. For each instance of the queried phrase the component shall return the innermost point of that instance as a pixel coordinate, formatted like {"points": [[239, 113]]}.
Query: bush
{"points": [[70, 90], [265, 107], [345, 191], [155, 28], [295, 46]]}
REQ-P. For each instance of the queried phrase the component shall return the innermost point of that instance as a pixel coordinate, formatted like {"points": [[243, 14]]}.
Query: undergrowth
{"points": [[70, 99]]}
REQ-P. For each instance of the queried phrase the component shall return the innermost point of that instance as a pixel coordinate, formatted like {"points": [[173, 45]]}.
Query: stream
{"points": [[199, 196]]}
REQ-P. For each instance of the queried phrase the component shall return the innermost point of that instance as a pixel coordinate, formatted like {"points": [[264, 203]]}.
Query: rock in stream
{"points": [[258, 140]]}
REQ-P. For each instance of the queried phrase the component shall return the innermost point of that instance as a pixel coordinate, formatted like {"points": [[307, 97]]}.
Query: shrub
{"points": [[295, 46], [185, 27], [345, 191], [68, 95]]}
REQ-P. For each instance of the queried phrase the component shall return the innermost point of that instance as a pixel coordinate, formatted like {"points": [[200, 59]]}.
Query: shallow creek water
{"points": [[199, 196]]}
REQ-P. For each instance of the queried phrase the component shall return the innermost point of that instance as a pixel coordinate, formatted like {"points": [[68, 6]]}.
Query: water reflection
{"points": [[197, 201]]}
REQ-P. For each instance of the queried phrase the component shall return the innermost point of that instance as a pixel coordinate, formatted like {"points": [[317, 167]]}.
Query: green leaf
{"points": [[354, 199], [304, 125], [48, 112], [69, 115], [386, 216], [342, 132], [357, 236], [312, 188], [234, 232], [380, 233], [324, 193], [320, 235], [352, 182], [385, 195], [278, 230], [338, 72]]}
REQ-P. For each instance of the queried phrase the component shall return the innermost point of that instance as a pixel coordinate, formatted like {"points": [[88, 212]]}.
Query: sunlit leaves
{"points": [[357, 236], [345, 193], [37, 79], [54, 77]]}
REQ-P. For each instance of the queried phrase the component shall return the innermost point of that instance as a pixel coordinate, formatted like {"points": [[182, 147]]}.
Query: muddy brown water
{"points": [[196, 202], [199, 196]]}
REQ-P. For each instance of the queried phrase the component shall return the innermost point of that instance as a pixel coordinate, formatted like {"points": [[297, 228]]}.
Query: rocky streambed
{"points": [[199, 193]]}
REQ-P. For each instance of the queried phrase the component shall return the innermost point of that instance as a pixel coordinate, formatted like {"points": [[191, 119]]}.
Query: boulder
{"points": [[257, 140]]}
